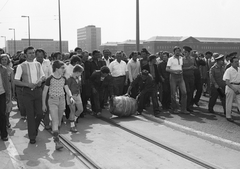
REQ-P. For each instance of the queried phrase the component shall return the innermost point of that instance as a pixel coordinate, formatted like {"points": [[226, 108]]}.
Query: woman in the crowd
{"points": [[5, 61]]}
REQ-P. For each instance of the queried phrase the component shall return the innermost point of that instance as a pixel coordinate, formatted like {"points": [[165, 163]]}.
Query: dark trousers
{"points": [[118, 84], [189, 83], [134, 92], [33, 105], [85, 94], [3, 128], [98, 100], [199, 89], [148, 93], [166, 94], [213, 98], [20, 100]]}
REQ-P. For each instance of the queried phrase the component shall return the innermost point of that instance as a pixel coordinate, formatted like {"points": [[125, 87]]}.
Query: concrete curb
{"points": [[200, 134]]}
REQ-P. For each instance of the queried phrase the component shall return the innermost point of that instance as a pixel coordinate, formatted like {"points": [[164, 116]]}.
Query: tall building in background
{"points": [[89, 38], [49, 45]]}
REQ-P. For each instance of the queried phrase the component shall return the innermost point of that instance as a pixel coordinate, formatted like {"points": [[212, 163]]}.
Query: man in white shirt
{"points": [[134, 68], [46, 63], [47, 69], [174, 67], [29, 76], [232, 79], [107, 57], [119, 72]]}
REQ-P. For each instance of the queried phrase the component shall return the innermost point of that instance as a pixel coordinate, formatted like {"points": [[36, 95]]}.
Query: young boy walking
{"points": [[74, 84], [56, 84]]}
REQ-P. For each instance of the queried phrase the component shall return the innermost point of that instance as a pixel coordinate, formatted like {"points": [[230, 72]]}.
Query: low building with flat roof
{"points": [[49, 45]]}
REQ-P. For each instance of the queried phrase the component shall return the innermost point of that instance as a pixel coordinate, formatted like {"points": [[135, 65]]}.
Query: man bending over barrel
{"points": [[101, 83], [148, 88]]}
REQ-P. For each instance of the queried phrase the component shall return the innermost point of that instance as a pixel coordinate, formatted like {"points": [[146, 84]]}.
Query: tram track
{"points": [[87, 161], [188, 157]]}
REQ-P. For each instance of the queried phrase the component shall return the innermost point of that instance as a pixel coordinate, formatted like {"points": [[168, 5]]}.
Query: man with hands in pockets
{"points": [[232, 79]]}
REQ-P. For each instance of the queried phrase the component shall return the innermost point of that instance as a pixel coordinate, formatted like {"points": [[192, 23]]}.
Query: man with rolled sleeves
{"points": [[174, 67], [217, 84], [232, 79], [188, 75], [29, 76]]}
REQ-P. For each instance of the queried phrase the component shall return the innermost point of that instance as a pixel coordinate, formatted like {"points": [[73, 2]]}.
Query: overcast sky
{"points": [[202, 18]]}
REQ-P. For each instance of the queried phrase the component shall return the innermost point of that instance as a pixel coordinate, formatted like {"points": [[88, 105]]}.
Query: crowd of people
{"points": [[48, 87]]}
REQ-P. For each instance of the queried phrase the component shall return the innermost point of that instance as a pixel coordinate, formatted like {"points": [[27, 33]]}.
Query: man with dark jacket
{"points": [[151, 67], [188, 75], [147, 88], [164, 75], [4, 99], [217, 83], [90, 66], [101, 83]]}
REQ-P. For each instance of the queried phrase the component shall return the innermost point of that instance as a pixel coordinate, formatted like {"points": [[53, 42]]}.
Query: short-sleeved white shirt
{"points": [[232, 75], [118, 69], [175, 63]]}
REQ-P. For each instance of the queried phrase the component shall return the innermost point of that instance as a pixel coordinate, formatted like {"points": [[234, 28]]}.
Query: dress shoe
{"points": [[138, 113], [58, 145], [32, 141], [185, 112], [175, 112], [190, 110], [211, 111], [230, 119], [196, 104], [47, 127], [73, 129], [5, 139]]}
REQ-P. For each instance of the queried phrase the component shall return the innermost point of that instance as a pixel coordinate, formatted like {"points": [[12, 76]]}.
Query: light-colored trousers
{"points": [[230, 97]]}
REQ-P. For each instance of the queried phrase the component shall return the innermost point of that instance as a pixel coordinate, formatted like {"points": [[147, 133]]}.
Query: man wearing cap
{"points": [[217, 86], [174, 67], [232, 79], [188, 75], [146, 85]]}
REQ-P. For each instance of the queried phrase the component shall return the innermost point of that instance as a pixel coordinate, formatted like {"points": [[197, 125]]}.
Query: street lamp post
{"points": [[5, 43], [29, 43], [14, 40], [60, 36], [137, 25]]}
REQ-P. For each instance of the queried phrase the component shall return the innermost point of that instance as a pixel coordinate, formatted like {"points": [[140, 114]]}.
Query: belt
{"points": [[119, 76], [24, 87], [235, 83]]}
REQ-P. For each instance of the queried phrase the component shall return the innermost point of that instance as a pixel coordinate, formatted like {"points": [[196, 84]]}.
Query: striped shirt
{"points": [[30, 72]]}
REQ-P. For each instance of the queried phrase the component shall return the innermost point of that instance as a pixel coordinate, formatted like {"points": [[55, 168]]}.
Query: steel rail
{"points": [[172, 150], [88, 162]]}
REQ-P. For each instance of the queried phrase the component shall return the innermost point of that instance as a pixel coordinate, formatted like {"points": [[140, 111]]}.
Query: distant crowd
{"points": [[48, 87]]}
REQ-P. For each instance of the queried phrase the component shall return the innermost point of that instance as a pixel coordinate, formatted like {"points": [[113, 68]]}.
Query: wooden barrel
{"points": [[123, 106]]}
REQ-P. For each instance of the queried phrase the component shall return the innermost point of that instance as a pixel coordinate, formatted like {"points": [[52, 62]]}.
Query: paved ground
{"points": [[214, 124]]}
